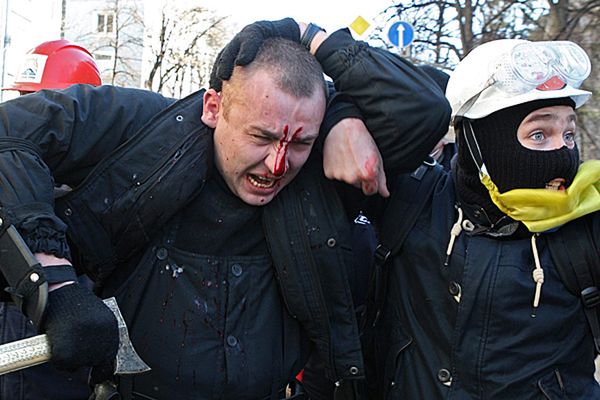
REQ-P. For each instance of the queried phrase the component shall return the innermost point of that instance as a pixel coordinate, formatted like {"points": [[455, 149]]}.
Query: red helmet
{"points": [[56, 64]]}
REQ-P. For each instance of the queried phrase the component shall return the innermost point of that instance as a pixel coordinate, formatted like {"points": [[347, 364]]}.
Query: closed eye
{"points": [[303, 143], [261, 139]]}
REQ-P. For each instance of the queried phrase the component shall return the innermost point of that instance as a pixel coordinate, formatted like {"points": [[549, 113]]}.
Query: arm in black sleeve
{"points": [[339, 106], [61, 135], [405, 111]]}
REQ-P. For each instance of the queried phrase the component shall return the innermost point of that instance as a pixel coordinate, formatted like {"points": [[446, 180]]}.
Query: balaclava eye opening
{"points": [[509, 163]]}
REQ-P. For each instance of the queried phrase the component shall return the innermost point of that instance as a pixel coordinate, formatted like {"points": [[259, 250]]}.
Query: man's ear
{"points": [[211, 107]]}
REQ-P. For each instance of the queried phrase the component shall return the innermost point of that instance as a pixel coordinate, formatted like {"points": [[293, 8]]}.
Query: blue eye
{"points": [[537, 136], [569, 137]]}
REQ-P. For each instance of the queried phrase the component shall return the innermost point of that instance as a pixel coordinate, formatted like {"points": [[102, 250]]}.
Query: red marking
{"points": [[554, 83], [369, 180], [370, 168], [282, 148]]}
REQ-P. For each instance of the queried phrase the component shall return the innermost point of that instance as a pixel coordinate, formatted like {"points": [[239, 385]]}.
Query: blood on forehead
{"points": [[282, 148]]}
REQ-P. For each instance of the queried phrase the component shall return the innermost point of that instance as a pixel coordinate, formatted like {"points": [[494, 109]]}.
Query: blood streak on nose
{"points": [[282, 148]]}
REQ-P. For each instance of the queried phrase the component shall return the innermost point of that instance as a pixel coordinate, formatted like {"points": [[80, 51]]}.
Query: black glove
{"points": [[243, 47], [81, 329]]}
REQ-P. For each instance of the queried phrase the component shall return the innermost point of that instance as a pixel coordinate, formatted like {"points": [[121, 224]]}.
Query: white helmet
{"points": [[507, 72]]}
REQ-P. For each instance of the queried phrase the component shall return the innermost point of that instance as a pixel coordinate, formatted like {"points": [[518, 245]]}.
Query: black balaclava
{"points": [[509, 163]]}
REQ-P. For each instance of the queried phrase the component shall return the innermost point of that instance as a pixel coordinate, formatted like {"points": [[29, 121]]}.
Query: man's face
{"points": [[548, 128], [263, 136]]}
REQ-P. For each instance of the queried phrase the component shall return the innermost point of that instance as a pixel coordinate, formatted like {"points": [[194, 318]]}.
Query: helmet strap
{"points": [[473, 146]]}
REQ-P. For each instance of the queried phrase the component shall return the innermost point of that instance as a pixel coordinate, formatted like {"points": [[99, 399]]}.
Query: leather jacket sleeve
{"points": [[405, 111], [57, 137]]}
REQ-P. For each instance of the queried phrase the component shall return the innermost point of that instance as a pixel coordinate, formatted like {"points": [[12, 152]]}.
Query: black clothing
{"points": [[220, 223], [115, 216], [214, 327], [469, 330], [40, 381]]}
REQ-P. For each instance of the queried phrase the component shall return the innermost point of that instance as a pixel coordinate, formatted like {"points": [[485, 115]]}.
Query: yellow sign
{"points": [[360, 25]]}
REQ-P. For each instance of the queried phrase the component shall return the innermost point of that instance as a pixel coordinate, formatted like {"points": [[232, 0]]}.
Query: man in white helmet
{"points": [[473, 305]]}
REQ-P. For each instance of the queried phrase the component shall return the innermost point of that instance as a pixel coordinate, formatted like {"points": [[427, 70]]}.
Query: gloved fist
{"points": [[81, 329], [243, 47]]}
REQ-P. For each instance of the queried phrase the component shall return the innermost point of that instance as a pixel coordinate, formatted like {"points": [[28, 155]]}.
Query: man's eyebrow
{"points": [[267, 133], [309, 137], [277, 136], [550, 116]]}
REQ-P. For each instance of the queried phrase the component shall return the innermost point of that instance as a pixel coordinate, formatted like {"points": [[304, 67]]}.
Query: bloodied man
{"points": [[210, 218]]}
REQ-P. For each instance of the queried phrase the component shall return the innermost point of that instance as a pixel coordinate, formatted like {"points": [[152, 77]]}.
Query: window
{"points": [[102, 57], [106, 23]]}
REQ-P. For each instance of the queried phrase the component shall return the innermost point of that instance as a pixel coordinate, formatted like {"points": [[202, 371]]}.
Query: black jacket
{"points": [[127, 152], [468, 329]]}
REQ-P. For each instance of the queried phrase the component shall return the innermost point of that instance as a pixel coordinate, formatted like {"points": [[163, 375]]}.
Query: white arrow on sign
{"points": [[400, 35]]}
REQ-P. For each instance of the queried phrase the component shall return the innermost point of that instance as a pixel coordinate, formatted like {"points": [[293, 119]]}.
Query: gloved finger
{"points": [[248, 50], [81, 329], [215, 82], [226, 60], [287, 28]]}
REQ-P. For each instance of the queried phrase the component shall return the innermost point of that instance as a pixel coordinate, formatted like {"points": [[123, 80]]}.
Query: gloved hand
{"points": [[81, 329], [243, 47]]}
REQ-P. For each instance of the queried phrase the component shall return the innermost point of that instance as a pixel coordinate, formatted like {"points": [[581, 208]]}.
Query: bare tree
{"points": [[184, 45], [115, 39], [446, 30]]}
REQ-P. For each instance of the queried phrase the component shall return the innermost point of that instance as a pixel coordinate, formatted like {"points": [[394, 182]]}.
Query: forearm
{"points": [[404, 111], [59, 136], [27, 198]]}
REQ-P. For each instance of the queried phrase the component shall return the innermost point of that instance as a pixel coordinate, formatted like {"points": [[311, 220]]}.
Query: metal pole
{"points": [[5, 43], [63, 18]]}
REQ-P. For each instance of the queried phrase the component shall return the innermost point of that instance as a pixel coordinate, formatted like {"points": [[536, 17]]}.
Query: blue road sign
{"points": [[401, 34]]}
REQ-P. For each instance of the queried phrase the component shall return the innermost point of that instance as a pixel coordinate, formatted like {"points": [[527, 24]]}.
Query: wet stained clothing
{"points": [[214, 291], [139, 162], [469, 330]]}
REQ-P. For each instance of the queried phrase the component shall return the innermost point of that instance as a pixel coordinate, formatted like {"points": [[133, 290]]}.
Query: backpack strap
{"points": [[402, 212], [578, 263]]}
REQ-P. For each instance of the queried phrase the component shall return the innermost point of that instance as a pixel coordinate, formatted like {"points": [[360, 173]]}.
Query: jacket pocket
{"points": [[553, 386]]}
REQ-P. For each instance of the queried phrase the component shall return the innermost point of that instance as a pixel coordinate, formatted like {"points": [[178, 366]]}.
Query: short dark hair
{"points": [[293, 69], [297, 72]]}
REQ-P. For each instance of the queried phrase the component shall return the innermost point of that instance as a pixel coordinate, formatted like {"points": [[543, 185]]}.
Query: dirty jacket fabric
{"points": [[469, 330], [92, 139]]}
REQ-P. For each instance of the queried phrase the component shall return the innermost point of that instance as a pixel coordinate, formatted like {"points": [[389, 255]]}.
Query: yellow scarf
{"points": [[544, 209]]}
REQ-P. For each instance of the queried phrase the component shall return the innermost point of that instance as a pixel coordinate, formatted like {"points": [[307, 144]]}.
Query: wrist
{"points": [[58, 271], [316, 42], [312, 36]]}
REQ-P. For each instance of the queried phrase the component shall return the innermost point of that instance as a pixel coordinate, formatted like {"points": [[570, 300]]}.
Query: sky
{"points": [[329, 14]]}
